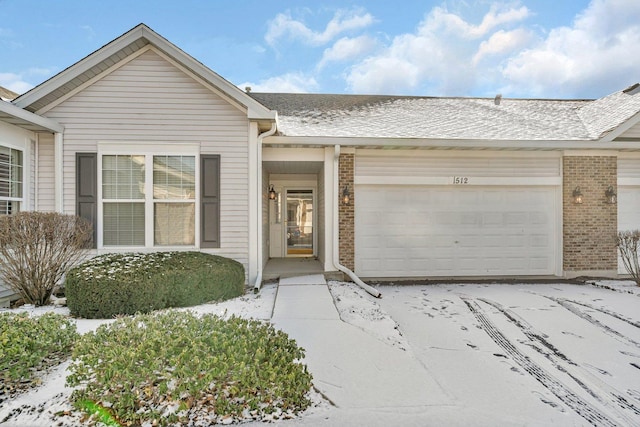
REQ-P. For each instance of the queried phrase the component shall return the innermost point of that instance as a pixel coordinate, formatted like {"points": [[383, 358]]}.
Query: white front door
{"points": [[299, 222]]}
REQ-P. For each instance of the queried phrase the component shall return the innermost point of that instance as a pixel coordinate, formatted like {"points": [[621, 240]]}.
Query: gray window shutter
{"points": [[87, 189], [210, 200]]}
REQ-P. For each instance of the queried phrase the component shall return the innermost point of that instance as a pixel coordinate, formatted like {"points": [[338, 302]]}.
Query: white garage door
{"points": [[628, 198], [628, 208], [404, 231]]}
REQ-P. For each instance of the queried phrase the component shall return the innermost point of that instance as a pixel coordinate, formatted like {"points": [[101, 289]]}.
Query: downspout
{"points": [[258, 283], [336, 236]]}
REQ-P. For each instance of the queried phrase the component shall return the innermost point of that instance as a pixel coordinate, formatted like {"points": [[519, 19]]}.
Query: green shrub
{"points": [[115, 284], [174, 367], [29, 344]]}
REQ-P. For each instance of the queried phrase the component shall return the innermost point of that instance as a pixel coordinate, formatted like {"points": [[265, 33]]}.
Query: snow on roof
{"points": [[606, 114], [379, 116]]}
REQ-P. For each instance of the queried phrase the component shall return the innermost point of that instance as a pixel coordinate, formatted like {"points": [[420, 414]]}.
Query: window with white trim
{"points": [[148, 199], [11, 180]]}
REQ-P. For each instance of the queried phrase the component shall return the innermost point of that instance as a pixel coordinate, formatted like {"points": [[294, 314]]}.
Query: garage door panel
{"points": [[628, 213], [447, 231]]}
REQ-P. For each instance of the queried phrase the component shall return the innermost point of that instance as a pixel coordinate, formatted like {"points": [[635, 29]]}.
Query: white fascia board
{"points": [[29, 117], [404, 143]]}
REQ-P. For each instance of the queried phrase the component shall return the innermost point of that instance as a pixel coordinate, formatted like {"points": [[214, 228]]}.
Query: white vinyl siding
{"points": [[149, 99], [456, 215], [46, 174], [436, 165]]}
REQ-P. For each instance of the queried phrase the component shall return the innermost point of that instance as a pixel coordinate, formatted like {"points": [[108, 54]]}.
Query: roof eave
{"points": [[28, 120], [435, 143]]}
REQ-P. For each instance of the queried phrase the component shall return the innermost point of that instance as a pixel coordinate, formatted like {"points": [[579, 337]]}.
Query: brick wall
{"points": [[346, 218], [589, 228]]}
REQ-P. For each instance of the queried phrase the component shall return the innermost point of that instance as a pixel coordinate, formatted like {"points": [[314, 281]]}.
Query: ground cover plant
{"points": [[29, 345], [129, 283], [175, 367], [37, 249]]}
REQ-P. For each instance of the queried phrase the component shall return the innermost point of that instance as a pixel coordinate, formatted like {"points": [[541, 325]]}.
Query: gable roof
{"points": [[377, 116], [135, 39], [610, 116]]}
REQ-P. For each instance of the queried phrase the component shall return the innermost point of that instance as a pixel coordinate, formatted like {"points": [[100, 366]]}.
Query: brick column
{"points": [[346, 218], [589, 228]]}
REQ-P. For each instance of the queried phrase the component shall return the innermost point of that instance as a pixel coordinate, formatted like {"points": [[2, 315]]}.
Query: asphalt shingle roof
{"points": [[378, 116]]}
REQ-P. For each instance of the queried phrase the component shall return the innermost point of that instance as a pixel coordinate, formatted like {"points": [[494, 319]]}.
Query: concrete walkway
{"points": [[352, 368]]}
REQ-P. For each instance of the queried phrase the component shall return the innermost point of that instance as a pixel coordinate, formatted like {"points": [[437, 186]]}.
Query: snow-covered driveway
{"points": [[536, 354]]}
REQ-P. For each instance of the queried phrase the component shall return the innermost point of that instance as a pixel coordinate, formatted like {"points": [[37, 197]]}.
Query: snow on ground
{"points": [[360, 309], [508, 354]]}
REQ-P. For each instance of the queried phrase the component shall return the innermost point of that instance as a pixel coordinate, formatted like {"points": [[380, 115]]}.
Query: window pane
{"points": [[174, 177], [174, 224], [10, 172], [123, 224], [9, 207], [123, 177]]}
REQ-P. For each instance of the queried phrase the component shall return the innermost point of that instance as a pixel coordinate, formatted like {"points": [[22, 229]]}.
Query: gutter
{"points": [[258, 283], [336, 261]]}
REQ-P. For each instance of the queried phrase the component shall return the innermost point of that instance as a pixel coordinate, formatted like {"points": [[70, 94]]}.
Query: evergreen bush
{"points": [[129, 283]]}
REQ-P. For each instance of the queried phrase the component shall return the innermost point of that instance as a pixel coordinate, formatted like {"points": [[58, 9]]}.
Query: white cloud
{"points": [[503, 42], [438, 57], [348, 49], [441, 19], [286, 83], [599, 50], [14, 82], [283, 25]]}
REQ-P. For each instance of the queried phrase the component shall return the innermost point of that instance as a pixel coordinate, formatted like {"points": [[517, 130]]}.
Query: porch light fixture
{"points": [[577, 196], [611, 195], [272, 193], [346, 196]]}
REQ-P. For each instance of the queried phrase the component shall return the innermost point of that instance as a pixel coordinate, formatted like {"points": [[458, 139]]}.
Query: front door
{"points": [[299, 222]]}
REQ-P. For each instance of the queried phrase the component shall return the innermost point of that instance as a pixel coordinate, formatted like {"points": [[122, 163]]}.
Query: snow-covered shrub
{"points": [[115, 284], [176, 368], [31, 344], [36, 250], [628, 243]]}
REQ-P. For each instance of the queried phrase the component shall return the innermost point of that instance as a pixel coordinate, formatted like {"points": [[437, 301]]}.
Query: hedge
{"points": [[129, 283]]}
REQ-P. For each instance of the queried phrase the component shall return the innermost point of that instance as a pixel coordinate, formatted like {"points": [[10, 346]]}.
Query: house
{"points": [[162, 153]]}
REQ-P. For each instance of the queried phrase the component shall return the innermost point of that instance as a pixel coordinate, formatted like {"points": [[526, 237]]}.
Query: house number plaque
{"points": [[460, 180]]}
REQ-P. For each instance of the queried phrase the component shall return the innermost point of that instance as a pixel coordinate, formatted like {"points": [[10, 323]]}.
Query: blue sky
{"points": [[520, 48]]}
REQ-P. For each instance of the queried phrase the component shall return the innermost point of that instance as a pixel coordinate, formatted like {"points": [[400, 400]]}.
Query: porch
{"points": [[296, 266]]}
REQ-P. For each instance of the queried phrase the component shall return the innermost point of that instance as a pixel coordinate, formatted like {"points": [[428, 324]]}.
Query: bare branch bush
{"points": [[36, 250], [628, 243]]}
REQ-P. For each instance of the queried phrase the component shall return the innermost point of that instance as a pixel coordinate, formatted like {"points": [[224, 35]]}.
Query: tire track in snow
{"points": [[568, 397], [566, 365], [567, 304], [605, 311]]}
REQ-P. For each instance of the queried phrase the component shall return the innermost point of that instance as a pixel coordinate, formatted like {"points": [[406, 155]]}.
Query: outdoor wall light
{"points": [[577, 196], [611, 195], [272, 193], [346, 196]]}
